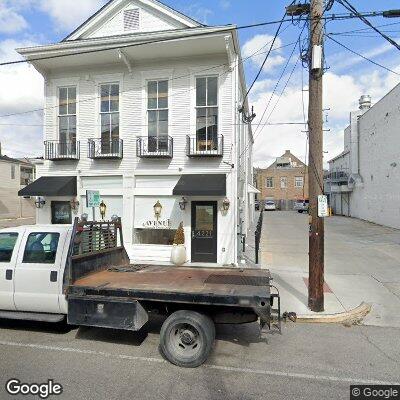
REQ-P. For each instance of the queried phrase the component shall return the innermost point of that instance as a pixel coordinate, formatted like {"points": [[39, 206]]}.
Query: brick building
{"points": [[284, 181]]}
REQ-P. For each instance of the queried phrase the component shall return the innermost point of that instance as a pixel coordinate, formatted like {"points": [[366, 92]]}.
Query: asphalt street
{"points": [[305, 362]]}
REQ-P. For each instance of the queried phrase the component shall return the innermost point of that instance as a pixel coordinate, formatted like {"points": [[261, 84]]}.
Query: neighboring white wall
{"points": [[12, 206], [378, 200]]}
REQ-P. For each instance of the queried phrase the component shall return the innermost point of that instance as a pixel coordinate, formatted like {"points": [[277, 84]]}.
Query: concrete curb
{"points": [[352, 317]]}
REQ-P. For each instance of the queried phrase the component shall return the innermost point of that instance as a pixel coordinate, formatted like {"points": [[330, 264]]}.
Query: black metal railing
{"points": [[336, 176], [100, 149], [211, 147], [55, 150], [155, 147], [257, 236]]}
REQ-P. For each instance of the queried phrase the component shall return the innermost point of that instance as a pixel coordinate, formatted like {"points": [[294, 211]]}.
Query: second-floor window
{"points": [[157, 115], [269, 182], [283, 182], [67, 120], [298, 181], [207, 113], [109, 114]]}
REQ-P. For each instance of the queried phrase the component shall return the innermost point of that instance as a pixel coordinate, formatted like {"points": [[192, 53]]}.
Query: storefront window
{"points": [[154, 236], [61, 212]]}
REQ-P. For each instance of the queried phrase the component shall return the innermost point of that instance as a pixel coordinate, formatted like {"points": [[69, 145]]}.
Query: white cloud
{"points": [[10, 20], [259, 45], [21, 90], [224, 4], [67, 14], [341, 94]]}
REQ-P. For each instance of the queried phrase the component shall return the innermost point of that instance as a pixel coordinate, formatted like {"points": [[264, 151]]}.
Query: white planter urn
{"points": [[178, 254]]}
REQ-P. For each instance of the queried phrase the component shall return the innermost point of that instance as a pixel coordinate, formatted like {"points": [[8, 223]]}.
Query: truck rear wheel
{"points": [[187, 338]]}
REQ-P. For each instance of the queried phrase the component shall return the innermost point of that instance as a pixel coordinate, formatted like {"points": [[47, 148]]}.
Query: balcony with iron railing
{"points": [[155, 147], [209, 147], [338, 176], [99, 149], [56, 150]]}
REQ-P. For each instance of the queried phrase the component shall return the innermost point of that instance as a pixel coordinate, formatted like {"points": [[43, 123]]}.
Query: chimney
{"points": [[287, 152], [365, 102]]}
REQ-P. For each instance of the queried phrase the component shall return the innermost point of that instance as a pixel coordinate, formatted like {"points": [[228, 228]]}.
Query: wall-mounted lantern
{"points": [[74, 204], [157, 210], [226, 204], [103, 209], [182, 204], [40, 202]]}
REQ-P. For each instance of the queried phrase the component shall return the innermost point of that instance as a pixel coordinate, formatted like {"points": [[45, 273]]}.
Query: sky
{"points": [[347, 77]]}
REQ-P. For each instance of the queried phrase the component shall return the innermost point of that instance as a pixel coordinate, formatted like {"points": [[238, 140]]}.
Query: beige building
{"points": [[284, 181], [15, 174]]}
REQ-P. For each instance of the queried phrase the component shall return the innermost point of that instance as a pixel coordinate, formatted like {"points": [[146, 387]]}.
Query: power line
{"points": [[351, 8], [336, 17], [365, 29], [256, 53], [154, 41], [265, 58], [362, 56]]}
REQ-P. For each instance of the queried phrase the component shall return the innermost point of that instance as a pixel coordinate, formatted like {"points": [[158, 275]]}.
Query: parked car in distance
{"points": [[269, 205], [257, 205], [301, 206]]}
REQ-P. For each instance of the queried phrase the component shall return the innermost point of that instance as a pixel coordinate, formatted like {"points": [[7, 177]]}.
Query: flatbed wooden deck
{"points": [[225, 282]]}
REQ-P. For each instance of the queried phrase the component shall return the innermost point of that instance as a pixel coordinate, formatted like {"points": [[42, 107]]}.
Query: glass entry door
{"points": [[204, 231]]}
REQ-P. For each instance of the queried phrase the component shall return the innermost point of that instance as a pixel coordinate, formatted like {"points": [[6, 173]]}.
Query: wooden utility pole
{"points": [[315, 170]]}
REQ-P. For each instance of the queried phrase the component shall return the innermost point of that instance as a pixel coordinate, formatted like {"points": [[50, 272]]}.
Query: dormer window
{"points": [[131, 19]]}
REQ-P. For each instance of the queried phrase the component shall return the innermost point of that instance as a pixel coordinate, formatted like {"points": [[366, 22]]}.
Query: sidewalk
{"points": [[361, 264]]}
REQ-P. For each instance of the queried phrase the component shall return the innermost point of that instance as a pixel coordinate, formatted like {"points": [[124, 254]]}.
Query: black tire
{"points": [[187, 338], [300, 211]]}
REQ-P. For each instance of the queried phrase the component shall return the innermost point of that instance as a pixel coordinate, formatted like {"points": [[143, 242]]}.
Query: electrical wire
{"points": [[362, 56], [351, 8], [256, 53], [265, 58]]}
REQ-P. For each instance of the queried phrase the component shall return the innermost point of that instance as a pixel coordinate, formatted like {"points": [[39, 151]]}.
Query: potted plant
{"points": [[178, 253]]}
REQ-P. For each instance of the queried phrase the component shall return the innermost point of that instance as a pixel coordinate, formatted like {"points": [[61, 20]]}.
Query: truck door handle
{"points": [[53, 276], [9, 274]]}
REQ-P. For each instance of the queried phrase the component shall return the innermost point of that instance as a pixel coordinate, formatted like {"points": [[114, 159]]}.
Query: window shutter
{"points": [[131, 19]]}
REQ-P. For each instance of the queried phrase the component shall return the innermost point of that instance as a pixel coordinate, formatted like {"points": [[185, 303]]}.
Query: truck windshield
{"points": [[7, 243]]}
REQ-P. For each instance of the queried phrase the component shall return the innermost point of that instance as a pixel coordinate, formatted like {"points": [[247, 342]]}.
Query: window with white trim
{"points": [[157, 115], [283, 182], [207, 113], [109, 115], [298, 181], [269, 182], [67, 120]]}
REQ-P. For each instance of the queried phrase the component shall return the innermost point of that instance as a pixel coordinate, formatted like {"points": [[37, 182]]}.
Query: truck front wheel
{"points": [[187, 338]]}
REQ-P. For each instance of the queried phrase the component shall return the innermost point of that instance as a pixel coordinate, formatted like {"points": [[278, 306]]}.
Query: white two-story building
{"points": [[141, 104]]}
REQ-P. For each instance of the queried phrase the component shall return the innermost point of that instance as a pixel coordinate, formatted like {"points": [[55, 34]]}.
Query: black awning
{"points": [[51, 186], [201, 185]]}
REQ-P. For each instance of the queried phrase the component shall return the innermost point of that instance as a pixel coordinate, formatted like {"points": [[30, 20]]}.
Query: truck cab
{"points": [[32, 262]]}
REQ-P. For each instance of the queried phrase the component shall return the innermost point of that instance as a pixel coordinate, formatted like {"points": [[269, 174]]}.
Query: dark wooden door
{"points": [[204, 231]]}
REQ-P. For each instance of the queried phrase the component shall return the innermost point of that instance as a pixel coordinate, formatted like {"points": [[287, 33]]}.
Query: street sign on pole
{"points": [[93, 200], [323, 210]]}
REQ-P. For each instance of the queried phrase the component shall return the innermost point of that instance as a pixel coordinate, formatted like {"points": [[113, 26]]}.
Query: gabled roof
{"points": [[108, 9]]}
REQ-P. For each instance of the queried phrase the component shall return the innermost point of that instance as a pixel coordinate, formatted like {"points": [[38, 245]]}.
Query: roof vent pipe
{"points": [[365, 102]]}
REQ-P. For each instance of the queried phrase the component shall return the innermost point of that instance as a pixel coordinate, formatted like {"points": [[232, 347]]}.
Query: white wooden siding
{"points": [[149, 21], [133, 117]]}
